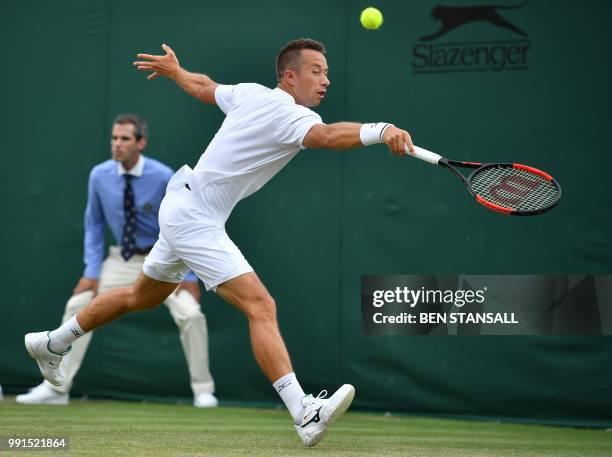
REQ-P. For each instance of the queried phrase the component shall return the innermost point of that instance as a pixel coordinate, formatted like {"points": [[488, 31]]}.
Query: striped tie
{"points": [[128, 244]]}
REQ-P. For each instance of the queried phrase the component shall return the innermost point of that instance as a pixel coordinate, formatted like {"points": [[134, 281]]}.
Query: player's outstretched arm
{"points": [[347, 135], [197, 85]]}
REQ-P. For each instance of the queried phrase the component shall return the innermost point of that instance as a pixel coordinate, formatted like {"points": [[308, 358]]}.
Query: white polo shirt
{"points": [[263, 130]]}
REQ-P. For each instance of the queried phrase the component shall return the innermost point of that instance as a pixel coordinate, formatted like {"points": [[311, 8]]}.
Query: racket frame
{"points": [[452, 166]]}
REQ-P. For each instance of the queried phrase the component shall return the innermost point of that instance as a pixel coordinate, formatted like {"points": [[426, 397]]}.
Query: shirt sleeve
{"points": [[229, 97], [224, 95], [294, 124], [95, 224]]}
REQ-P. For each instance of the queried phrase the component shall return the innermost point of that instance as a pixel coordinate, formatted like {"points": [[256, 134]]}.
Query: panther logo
{"points": [[452, 17]]}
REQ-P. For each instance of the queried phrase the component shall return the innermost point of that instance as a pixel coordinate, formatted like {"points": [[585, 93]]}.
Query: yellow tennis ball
{"points": [[371, 18]]}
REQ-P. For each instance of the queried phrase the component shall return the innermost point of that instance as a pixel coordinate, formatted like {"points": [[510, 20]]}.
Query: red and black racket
{"points": [[508, 188]]}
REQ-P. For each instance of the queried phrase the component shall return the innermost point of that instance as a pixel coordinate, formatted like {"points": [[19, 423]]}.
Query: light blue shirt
{"points": [[105, 207]]}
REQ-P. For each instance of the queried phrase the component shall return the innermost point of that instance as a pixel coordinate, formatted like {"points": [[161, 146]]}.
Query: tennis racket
{"points": [[508, 188]]}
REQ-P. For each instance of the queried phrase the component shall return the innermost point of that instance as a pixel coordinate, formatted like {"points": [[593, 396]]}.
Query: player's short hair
{"points": [[141, 128], [289, 55]]}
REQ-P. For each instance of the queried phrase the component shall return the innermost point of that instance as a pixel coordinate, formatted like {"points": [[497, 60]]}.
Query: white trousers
{"points": [[185, 311]]}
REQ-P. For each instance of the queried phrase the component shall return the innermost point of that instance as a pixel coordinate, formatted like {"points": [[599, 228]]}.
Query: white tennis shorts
{"points": [[190, 239]]}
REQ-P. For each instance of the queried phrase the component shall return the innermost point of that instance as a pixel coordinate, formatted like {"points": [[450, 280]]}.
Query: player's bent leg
{"points": [[247, 293], [52, 358], [145, 293]]}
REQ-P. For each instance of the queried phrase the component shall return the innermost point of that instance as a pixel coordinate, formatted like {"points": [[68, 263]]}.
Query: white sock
{"points": [[65, 335], [291, 393]]}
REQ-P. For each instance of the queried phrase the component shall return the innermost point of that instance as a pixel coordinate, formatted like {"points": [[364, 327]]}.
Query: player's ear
{"points": [[290, 76]]}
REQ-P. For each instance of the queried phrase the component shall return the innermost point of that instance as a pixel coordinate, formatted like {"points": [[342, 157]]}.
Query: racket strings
{"points": [[513, 188]]}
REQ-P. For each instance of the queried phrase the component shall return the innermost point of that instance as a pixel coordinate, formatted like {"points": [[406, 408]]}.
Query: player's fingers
{"points": [[408, 141], [152, 76], [167, 48], [145, 68], [400, 145], [140, 63], [393, 145], [403, 146], [148, 57]]}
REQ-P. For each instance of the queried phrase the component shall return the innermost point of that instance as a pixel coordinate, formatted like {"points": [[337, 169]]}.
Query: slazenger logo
{"points": [[496, 55]]}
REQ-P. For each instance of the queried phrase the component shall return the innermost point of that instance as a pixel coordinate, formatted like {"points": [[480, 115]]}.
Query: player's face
{"points": [[311, 81], [124, 145]]}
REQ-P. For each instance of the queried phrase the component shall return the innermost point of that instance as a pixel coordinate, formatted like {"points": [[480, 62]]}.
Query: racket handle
{"points": [[425, 155]]}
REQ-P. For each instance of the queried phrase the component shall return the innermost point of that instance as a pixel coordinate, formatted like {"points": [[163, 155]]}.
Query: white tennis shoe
{"points": [[51, 365], [321, 412]]}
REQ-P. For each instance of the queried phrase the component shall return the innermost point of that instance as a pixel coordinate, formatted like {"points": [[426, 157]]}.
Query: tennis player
{"points": [[263, 130]]}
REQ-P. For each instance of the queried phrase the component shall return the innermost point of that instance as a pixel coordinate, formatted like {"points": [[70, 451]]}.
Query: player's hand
{"points": [[86, 284], [166, 65], [191, 287], [397, 140]]}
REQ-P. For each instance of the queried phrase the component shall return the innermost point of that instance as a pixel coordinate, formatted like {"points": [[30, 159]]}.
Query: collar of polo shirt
{"points": [[284, 93]]}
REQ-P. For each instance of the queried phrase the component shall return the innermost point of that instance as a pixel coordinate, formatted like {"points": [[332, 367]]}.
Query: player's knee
{"points": [[261, 307]]}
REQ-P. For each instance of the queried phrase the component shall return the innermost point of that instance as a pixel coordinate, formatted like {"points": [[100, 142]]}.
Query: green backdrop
{"points": [[329, 217]]}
